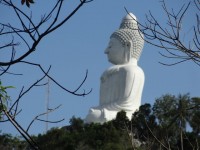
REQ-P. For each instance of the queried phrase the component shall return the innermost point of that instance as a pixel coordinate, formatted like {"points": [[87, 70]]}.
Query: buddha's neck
{"points": [[133, 61]]}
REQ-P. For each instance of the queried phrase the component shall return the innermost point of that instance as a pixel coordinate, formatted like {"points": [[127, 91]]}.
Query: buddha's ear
{"points": [[127, 54], [128, 44]]}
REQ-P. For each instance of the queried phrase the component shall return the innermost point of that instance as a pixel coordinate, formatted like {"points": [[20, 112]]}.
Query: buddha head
{"points": [[126, 43]]}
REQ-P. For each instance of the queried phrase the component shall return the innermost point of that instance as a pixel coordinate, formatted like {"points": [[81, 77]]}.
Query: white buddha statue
{"points": [[121, 84]]}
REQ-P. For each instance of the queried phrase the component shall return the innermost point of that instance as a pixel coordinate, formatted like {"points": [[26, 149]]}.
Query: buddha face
{"points": [[116, 52]]}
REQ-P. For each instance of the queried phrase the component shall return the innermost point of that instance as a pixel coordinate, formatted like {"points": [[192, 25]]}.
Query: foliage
{"points": [[121, 120], [27, 2], [89, 136], [141, 118], [4, 98], [195, 117], [9, 142], [174, 114], [160, 126]]}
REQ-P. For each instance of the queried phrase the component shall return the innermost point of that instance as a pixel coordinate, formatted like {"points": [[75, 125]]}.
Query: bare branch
{"points": [[59, 85], [22, 93], [31, 34], [42, 114], [66, 19], [170, 39], [197, 4], [25, 29], [154, 135], [25, 135]]}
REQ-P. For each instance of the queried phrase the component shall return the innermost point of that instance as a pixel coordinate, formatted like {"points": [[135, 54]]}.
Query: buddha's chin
{"points": [[110, 61]]}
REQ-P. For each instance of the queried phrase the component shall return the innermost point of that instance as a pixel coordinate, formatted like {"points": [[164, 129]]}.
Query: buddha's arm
{"points": [[130, 89], [127, 78]]}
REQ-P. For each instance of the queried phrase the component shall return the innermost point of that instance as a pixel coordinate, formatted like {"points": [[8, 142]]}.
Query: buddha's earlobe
{"points": [[128, 46]]}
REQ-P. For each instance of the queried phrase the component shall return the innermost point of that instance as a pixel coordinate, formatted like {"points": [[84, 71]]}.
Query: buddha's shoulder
{"points": [[132, 71], [118, 69], [130, 68]]}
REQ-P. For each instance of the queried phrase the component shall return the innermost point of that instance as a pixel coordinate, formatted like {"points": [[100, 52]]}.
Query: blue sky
{"points": [[79, 46]]}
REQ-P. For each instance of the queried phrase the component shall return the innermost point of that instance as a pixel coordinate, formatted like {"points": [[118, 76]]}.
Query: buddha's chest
{"points": [[111, 75]]}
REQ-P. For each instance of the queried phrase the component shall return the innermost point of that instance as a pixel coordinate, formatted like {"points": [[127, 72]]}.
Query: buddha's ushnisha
{"points": [[121, 84]]}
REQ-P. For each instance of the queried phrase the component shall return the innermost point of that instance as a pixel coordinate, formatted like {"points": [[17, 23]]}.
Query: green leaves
{"points": [[3, 92], [3, 98], [145, 128], [27, 2]]}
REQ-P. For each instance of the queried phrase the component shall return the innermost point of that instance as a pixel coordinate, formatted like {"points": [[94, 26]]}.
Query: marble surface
{"points": [[121, 85]]}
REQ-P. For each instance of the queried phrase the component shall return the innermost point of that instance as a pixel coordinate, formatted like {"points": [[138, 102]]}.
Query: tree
{"points": [[195, 115], [76, 123], [121, 120], [173, 114], [163, 126], [86, 137], [172, 37], [146, 130], [28, 34], [144, 124], [7, 141]]}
